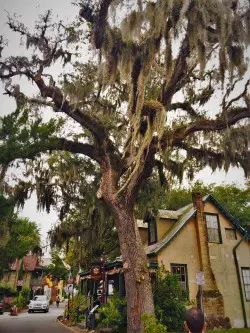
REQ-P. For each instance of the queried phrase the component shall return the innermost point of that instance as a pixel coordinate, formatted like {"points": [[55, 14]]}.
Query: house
{"points": [[203, 237], [25, 272], [200, 237]]}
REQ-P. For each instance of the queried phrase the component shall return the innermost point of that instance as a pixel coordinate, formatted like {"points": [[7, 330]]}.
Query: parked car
{"points": [[2, 303], [39, 303]]}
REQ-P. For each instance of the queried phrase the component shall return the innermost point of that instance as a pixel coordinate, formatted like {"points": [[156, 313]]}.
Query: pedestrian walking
{"points": [[57, 301]]}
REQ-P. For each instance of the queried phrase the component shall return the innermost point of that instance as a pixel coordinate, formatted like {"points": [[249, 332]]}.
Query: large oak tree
{"points": [[144, 104]]}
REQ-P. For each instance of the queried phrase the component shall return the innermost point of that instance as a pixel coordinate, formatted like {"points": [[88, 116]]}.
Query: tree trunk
{"points": [[137, 280]]}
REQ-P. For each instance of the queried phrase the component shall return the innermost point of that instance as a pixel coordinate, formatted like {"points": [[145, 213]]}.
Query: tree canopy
{"points": [[165, 91]]}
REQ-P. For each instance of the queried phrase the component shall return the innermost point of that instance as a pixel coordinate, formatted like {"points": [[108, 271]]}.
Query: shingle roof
{"points": [[172, 232], [29, 262], [184, 215], [15, 266]]}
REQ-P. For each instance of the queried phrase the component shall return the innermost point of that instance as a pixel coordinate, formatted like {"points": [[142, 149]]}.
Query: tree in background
{"points": [[235, 199], [21, 237], [6, 214], [142, 105], [56, 267]]}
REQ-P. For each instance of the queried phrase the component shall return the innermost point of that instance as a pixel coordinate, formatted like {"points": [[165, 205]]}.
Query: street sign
{"points": [[200, 278]]}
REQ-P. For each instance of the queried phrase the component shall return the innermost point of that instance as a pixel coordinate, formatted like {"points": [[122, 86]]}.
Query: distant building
{"points": [[26, 272]]}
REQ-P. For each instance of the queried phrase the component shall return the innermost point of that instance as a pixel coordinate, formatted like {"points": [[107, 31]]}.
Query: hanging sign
{"points": [[96, 272]]}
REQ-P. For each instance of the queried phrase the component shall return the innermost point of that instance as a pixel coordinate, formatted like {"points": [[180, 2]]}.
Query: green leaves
{"points": [[23, 134], [20, 236], [169, 301]]}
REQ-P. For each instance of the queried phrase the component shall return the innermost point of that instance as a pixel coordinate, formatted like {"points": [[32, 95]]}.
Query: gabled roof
{"points": [[183, 215], [15, 266], [29, 263]]}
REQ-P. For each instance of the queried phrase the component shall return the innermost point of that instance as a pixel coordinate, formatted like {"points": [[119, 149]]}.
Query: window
{"points": [[246, 281], [111, 287], [152, 232], [230, 233], [213, 228], [181, 270]]}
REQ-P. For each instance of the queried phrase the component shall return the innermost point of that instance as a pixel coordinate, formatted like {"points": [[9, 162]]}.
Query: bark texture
{"points": [[137, 280]]}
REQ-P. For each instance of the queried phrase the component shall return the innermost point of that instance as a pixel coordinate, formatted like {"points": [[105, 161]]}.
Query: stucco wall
{"points": [[144, 235], [183, 250], [222, 262], [163, 225], [26, 279], [10, 278]]}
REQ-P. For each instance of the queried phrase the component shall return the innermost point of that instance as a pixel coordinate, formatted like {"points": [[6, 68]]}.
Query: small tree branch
{"points": [[207, 156], [186, 107], [226, 106]]}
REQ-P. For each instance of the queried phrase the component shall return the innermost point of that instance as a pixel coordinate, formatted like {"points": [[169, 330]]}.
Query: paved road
{"points": [[37, 322]]}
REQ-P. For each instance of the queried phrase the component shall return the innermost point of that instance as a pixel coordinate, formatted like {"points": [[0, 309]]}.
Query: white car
{"points": [[39, 303]]}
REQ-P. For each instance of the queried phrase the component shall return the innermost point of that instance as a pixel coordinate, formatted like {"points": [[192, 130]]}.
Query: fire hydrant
{"points": [[13, 311]]}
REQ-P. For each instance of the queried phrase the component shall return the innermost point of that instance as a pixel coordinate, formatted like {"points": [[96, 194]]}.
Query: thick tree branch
{"points": [[141, 175], [179, 73], [232, 117], [63, 105], [160, 168], [30, 151]]}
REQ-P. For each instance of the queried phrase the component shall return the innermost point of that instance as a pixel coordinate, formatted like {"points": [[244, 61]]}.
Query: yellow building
{"points": [[203, 237]]}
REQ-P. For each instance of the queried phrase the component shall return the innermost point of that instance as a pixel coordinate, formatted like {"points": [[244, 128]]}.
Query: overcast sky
{"points": [[28, 10]]}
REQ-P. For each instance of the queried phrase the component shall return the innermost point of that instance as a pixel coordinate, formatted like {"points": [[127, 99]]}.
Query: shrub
{"points": [[77, 305], [169, 301], [25, 292], [151, 324], [7, 290], [113, 314], [20, 302]]}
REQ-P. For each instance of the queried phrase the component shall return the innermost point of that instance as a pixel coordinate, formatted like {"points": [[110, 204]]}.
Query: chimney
{"points": [[213, 299], [197, 199]]}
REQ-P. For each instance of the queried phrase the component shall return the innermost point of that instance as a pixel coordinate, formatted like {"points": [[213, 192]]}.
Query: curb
{"points": [[70, 328]]}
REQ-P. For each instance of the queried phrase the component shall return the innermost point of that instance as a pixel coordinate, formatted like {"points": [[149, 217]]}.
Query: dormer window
{"points": [[152, 231]]}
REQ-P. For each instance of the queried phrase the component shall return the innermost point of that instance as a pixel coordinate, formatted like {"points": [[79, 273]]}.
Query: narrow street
{"points": [[37, 322]]}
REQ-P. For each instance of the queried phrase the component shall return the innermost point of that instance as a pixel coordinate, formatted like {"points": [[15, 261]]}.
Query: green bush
{"points": [[25, 292], [20, 302], [75, 303], [7, 290], [169, 301], [113, 314], [151, 324]]}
